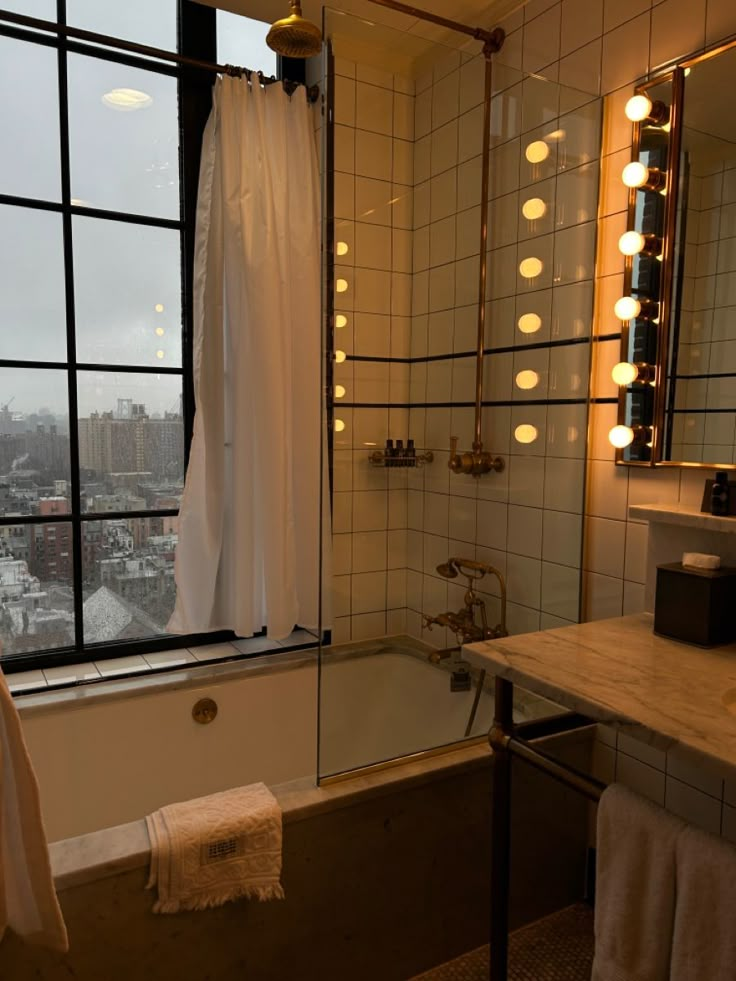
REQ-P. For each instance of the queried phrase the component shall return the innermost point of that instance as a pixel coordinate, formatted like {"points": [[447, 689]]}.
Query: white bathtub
{"points": [[110, 753]]}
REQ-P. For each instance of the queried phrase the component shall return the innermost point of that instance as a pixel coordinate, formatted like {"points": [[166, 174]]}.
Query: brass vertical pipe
{"points": [[483, 270]]}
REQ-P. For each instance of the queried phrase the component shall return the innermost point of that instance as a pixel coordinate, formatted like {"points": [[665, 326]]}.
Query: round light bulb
{"points": [[638, 108], [341, 285], [342, 248], [527, 379], [624, 373], [627, 308], [127, 100], [160, 331], [529, 323], [537, 151], [534, 208], [525, 433], [339, 425], [159, 308], [341, 320], [340, 356], [631, 243], [530, 267], [339, 391], [635, 174], [621, 436]]}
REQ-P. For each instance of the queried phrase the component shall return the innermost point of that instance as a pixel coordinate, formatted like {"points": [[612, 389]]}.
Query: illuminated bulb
{"points": [[635, 174], [631, 243], [531, 267], [527, 379], [637, 109], [339, 425], [159, 354], [127, 100], [160, 331], [340, 356], [339, 391], [159, 308], [624, 373], [342, 248], [621, 437], [627, 308], [537, 152], [525, 433], [529, 323], [341, 320], [341, 285], [534, 208]]}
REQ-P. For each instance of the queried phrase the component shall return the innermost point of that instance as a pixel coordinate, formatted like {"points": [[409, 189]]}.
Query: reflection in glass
{"points": [[123, 273], [34, 439], [131, 440], [36, 595], [242, 41], [32, 320], [29, 120], [148, 23], [128, 577], [124, 138]]}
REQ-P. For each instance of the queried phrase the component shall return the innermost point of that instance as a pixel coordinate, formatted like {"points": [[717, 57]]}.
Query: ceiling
{"points": [[366, 35]]}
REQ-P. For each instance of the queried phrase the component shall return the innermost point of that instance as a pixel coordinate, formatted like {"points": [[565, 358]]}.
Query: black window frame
{"points": [[196, 39]]}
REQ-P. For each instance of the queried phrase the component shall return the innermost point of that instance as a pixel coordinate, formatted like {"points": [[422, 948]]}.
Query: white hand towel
{"points": [[635, 888], [704, 945], [28, 903], [207, 851]]}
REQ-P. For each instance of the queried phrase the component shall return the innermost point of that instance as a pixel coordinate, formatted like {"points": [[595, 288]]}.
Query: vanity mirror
{"points": [[677, 374]]}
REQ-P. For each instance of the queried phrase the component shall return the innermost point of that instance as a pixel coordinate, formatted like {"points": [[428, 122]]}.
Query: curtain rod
{"points": [[106, 41]]}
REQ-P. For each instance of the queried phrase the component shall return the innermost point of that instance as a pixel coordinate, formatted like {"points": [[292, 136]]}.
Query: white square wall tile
{"points": [[564, 482], [368, 592], [374, 108], [693, 806], [524, 531], [560, 591], [605, 542], [561, 541], [603, 597]]}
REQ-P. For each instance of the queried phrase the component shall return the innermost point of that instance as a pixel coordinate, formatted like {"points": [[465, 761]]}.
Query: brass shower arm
{"points": [[492, 40]]}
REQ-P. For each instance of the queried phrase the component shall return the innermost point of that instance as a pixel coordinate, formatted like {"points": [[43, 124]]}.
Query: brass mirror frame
{"points": [[674, 76]]}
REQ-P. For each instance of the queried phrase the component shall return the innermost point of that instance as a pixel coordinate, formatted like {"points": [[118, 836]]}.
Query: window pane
{"points": [[124, 138], [242, 41], [34, 439], [36, 595], [32, 320], [45, 9], [127, 293], [143, 21], [131, 437], [129, 587], [29, 120]]}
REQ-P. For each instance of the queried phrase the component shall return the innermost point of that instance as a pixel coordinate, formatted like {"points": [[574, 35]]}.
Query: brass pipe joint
{"points": [[498, 738], [475, 462]]}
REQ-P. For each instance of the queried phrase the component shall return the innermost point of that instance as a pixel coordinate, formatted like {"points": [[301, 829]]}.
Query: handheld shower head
{"points": [[447, 569], [293, 36]]}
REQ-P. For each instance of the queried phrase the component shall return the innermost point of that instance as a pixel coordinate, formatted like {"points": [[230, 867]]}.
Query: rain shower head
{"points": [[293, 36]]}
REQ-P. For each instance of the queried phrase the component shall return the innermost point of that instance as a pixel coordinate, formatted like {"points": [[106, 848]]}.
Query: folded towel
{"points": [[207, 851], [704, 944], [635, 888], [28, 903]]}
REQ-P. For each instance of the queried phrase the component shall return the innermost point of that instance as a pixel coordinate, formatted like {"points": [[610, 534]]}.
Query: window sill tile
{"points": [[122, 665], [170, 659], [213, 652], [255, 645], [25, 681], [68, 674]]}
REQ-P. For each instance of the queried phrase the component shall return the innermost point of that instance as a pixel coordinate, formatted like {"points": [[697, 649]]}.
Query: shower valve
{"points": [[477, 462]]}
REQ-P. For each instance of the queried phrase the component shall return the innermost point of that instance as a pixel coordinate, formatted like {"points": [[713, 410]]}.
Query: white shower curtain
{"points": [[249, 535]]}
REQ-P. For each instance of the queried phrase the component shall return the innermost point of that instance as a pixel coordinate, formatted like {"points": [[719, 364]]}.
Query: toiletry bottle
{"points": [[400, 452], [389, 452], [411, 453], [719, 500]]}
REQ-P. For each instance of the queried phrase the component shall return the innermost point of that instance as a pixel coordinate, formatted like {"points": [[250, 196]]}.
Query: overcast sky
{"points": [[127, 276]]}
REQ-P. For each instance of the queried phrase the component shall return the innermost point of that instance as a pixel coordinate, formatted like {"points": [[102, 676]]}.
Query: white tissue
{"points": [[697, 560]]}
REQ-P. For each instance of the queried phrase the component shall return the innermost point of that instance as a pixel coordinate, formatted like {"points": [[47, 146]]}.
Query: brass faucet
{"points": [[478, 462], [463, 622]]}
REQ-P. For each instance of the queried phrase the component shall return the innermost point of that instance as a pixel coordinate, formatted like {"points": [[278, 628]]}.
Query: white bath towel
{"points": [[28, 903], [704, 945], [207, 851], [635, 888]]}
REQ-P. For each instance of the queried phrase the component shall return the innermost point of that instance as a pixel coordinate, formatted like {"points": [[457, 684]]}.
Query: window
{"points": [[97, 193]]}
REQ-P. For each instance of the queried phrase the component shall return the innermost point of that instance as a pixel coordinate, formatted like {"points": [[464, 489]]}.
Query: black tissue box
{"points": [[697, 606]]}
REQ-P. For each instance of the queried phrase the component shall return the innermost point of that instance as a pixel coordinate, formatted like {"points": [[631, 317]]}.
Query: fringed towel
{"points": [[207, 851], [28, 903]]}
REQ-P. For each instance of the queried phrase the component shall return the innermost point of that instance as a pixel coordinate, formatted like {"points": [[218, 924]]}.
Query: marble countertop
{"points": [[662, 692], [675, 514]]}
